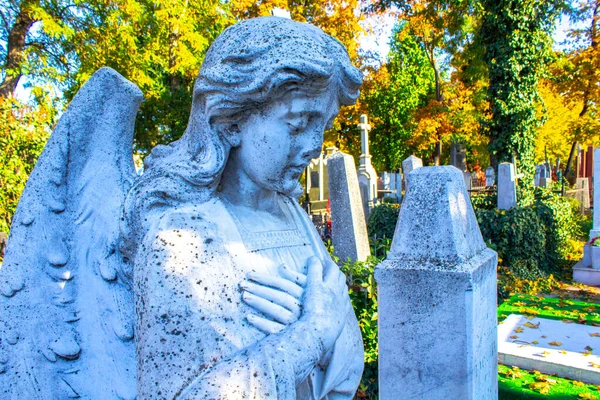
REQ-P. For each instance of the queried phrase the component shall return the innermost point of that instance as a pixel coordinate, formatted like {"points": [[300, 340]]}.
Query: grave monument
{"points": [[367, 177], [203, 278], [437, 296]]}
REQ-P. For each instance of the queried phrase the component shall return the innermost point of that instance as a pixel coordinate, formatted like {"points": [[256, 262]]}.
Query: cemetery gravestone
{"points": [[409, 165], [507, 188], [490, 176], [458, 156], [348, 225], [437, 297]]}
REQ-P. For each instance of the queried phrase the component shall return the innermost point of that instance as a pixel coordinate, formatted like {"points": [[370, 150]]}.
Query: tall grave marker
{"points": [[348, 225], [367, 177], [437, 297], [507, 186]]}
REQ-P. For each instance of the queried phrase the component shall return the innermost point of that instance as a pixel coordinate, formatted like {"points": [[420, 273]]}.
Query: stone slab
{"points": [[531, 348], [349, 227]]}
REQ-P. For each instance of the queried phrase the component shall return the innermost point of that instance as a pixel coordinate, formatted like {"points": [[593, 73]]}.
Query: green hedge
{"points": [[532, 241]]}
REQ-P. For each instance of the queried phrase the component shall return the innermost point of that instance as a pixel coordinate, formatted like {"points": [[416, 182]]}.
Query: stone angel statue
{"points": [[202, 278]]}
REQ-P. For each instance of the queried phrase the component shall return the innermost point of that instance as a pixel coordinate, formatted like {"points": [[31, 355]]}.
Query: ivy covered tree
{"points": [[518, 50]]}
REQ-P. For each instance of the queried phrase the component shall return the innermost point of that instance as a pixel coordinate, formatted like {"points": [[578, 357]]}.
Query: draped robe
{"points": [[193, 338]]}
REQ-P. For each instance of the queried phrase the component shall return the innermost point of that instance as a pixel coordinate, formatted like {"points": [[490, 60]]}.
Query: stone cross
{"points": [[367, 176], [507, 186], [348, 225], [437, 297]]}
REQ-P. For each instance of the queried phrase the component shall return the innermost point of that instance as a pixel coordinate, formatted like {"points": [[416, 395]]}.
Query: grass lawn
{"points": [[582, 307]]}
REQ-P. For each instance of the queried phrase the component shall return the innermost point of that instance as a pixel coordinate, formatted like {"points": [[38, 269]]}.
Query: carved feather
{"points": [[66, 303]]}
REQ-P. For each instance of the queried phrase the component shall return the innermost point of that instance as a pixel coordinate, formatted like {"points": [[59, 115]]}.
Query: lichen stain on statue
{"points": [[231, 292]]}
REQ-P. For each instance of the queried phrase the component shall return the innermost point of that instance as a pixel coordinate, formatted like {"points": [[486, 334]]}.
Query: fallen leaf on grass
{"points": [[555, 344], [586, 396], [548, 308], [577, 383], [514, 373], [519, 304], [540, 387]]}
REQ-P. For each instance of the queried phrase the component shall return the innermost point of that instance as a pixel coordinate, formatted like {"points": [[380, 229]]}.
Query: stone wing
{"points": [[66, 303]]}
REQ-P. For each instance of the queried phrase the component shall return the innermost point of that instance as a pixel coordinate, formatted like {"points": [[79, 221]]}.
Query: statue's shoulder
{"points": [[205, 219]]}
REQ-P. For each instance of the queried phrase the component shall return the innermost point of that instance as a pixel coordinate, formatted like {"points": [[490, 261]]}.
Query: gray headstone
{"points": [[348, 225], [468, 180], [437, 297], [409, 165], [507, 186], [490, 176], [458, 156]]}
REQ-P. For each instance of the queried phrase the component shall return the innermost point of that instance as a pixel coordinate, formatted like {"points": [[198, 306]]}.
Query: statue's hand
{"points": [[325, 301], [277, 298]]}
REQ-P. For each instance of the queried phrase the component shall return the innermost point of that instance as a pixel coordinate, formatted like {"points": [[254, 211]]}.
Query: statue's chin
{"points": [[295, 191]]}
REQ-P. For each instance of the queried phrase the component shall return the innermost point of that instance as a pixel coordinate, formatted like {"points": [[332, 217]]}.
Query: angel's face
{"points": [[277, 143]]}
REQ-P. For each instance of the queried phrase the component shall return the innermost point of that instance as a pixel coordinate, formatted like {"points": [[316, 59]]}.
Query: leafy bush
{"points": [[363, 295], [533, 242], [382, 220]]}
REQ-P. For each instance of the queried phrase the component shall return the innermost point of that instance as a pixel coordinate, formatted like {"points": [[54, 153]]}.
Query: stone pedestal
{"points": [[507, 186], [349, 228], [437, 297]]}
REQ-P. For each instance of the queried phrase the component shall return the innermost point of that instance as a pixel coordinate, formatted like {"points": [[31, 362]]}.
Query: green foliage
{"points": [[393, 94], [519, 238], [532, 241], [517, 50], [484, 201], [382, 221], [23, 134], [363, 295]]}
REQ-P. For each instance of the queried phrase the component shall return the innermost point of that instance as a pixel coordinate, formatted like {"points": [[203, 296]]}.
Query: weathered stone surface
{"points": [[410, 164], [507, 186], [437, 297], [349, 228], [567, 357], [207, 256]]}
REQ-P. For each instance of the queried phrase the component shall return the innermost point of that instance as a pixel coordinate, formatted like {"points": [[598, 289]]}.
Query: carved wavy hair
{"points": [[249, 65]]}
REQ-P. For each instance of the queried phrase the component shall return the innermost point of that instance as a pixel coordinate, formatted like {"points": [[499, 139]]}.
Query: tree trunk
{"points": [[16, 47]]}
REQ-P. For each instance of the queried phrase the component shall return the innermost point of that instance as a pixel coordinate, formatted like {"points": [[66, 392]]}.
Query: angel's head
{"points": [[251, 69]]}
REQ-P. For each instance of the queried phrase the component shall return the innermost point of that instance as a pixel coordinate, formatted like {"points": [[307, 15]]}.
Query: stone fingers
{"points": [[287, 273], [265, 325], [271, 310], [277, 283], [273, 295]]}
